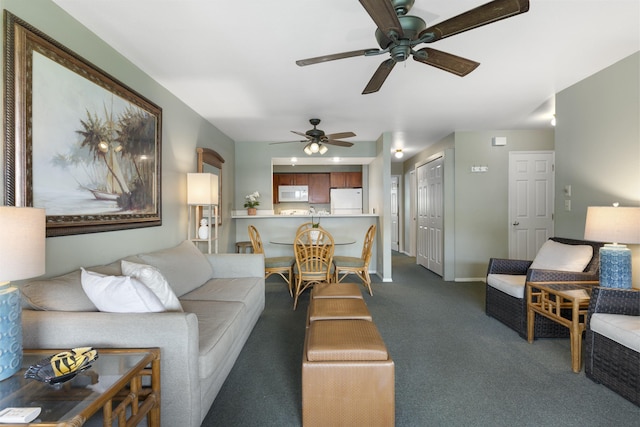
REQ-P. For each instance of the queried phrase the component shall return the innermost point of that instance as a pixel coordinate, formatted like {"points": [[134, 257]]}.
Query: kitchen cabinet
{"points": [[319, 187], [346, 179], [291, 178]]}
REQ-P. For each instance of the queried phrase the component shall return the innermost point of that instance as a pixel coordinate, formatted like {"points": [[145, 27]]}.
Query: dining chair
{"points": [[346, 265], [282, 265], [313, 249]]}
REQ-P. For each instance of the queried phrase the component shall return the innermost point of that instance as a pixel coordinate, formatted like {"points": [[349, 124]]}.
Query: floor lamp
{"points": [[202, 190], [620, 225], [22, 256]]}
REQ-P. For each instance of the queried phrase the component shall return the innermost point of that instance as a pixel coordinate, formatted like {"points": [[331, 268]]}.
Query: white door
{"points": [[435, 207], [531, 202], [410, 219], [423, 218], [395, 217]]}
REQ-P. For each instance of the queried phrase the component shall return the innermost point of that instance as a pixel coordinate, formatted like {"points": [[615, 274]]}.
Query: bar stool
{"points": [[244, 247]]}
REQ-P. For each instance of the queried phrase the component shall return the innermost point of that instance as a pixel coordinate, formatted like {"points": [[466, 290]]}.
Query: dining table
{"points": [[288, 240]]}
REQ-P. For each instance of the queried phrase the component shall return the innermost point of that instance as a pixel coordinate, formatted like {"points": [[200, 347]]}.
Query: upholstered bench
{"points": [[337, 309], [348, 377], [336, 290]]}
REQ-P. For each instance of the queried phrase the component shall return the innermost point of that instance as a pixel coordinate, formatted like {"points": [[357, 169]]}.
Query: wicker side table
{"points": [[549, 299]]}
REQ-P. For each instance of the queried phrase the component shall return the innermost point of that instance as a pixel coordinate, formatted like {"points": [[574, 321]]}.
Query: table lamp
{"points": [[22, 254], [619, 225]]}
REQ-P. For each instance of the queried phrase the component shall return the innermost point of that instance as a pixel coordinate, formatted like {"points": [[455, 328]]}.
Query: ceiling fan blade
{"points": [[379, 76], [333, 57], [445, 61], [338, 142], [384, 16], [285, 142], [301, 134], [477, 17], [340, 135]]}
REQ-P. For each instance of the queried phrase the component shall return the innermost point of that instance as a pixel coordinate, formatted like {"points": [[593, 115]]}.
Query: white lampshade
{"points": [[23, 236], [613, 224], [202, 189]]}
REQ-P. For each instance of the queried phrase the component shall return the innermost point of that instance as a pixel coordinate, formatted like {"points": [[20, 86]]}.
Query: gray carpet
{"points": [[454, 365]]}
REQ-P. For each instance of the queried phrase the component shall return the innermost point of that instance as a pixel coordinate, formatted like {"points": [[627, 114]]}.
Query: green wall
{"points": [[183, 131], [481, 199], [598, 146]]}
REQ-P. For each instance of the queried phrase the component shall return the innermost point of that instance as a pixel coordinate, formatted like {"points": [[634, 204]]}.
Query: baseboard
{"points": [[470, 279]]}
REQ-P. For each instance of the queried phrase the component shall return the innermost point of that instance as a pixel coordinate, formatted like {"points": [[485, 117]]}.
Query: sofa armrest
{"points": [[539, 275], [175, 333], [230, 266], [508, 266]]}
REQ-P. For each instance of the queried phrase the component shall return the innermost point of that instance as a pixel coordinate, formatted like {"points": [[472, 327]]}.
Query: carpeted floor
{"points": [[454, 365]]}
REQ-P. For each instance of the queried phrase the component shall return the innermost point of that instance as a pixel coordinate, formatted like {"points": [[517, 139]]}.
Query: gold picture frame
{"points": [[78, 142]]}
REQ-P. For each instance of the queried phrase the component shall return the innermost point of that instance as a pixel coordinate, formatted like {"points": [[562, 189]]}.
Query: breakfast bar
{"points": [[348, 229]]}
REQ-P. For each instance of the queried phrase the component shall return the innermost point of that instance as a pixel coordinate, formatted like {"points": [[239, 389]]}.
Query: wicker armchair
{"points": [[606, 361], [512, 311]]}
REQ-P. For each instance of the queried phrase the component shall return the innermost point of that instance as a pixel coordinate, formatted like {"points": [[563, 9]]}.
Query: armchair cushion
{"points": [[510, 284], [562, 257], [624, 330]]}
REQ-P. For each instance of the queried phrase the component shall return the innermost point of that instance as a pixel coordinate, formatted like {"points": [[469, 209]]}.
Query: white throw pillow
{"points": [[119, 294], [153, 280], [562, 257]]}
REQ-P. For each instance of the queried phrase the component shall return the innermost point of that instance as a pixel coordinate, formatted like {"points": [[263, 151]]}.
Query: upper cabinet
{"points": [[346, 179], [319, 189], [291, 179]]}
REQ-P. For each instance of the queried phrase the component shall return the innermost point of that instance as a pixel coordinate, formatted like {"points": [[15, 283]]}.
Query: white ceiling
{"points": [[234, 63]]}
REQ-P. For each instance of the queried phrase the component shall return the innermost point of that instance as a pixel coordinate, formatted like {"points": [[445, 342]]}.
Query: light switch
{"points": [[567, 190], [567, 205]]}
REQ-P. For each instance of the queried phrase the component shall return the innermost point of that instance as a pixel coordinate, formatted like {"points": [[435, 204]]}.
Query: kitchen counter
{"points": [[244, 215], [270, 227]]}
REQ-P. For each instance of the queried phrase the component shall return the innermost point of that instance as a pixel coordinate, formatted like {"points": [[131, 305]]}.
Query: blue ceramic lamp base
{"points": [[10, 331], [615, 266]]}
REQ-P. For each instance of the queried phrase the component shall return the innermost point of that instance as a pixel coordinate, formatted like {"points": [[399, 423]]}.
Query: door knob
{"points": [[516, 223]]}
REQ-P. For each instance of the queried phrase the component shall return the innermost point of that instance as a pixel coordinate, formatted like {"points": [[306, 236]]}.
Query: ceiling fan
{"points": [[315, 138], [398, 34]]}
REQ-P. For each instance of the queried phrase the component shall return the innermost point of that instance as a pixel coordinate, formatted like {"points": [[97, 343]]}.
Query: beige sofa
{"points": [[222, 297]]}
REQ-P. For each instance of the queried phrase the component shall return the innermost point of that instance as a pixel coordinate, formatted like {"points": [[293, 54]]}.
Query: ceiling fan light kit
{"points": [[317, 140], [398, 33]]}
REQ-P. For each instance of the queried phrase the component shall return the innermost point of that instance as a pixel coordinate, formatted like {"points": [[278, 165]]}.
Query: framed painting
{"points": [[77, 142]]}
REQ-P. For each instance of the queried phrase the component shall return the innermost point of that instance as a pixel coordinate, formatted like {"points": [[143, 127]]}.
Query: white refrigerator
{"points": [[346, 201]]}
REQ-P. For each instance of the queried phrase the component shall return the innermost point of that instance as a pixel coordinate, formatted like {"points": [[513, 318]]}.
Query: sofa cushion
{"points": [[510, 284], [62, 293], [219, 326], [241, 290], [119, 294], [184, 266], [623, 329], [562, 257], [154, 280]]}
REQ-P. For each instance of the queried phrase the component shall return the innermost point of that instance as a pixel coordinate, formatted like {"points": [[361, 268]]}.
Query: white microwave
{"points": [[293, 193]]}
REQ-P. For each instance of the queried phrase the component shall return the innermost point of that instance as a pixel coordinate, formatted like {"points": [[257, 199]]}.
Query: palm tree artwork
{"points": [[117, 154]]}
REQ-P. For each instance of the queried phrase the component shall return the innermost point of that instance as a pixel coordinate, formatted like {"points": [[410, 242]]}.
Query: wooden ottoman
{"points": [[348, 378]]}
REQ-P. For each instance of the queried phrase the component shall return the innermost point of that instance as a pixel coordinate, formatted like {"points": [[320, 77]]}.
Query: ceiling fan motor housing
{"points": [[412, 26]]}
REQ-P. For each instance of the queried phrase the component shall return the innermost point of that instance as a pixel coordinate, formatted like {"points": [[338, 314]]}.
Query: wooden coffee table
{"points": [[128, 377], [549, 299]]}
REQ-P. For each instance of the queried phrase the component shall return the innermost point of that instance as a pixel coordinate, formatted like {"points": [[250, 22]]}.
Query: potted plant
{"points": [[251, 202], [315, 233]]}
